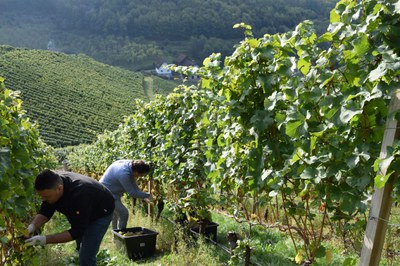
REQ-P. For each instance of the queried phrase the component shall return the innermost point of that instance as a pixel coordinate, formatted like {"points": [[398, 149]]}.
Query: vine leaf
{"points": [[378, 72], [291, 128], [381, 179]]}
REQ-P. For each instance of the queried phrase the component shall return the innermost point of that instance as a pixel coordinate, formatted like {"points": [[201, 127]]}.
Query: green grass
{"points": [[164, 86], [174, 247], [156, 85], [148, 87], [268, 247]]}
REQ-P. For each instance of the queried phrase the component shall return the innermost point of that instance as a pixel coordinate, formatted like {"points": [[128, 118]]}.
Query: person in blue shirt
{"points": [[120, 177]]}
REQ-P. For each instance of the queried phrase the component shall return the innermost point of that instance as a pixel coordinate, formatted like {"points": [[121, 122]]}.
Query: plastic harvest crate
{"points": [[136, 242], [210, 232]]}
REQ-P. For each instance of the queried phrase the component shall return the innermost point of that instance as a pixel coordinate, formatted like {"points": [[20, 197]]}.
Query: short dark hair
{"points": [[140, 166], [47, 179]]}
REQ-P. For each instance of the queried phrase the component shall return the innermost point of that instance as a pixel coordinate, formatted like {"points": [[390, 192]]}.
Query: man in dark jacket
{"points": [[87, 204]]}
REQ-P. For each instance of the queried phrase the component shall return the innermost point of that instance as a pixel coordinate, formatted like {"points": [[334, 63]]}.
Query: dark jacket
{"points": [[84, 200]]}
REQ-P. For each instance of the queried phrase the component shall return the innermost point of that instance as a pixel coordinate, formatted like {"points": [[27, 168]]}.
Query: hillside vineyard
{"points": [[72, 97]]}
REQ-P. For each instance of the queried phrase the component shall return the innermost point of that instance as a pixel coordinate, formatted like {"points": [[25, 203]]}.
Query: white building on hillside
{"points": [[163, 71]]}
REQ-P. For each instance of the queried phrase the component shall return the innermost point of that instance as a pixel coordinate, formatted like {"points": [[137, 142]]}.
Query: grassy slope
{"points": [[72, 97], [155, 85]]}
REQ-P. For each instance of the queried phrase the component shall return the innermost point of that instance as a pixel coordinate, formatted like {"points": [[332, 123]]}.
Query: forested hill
{"points": [[72, 97], [135, 34], [182, 19]]}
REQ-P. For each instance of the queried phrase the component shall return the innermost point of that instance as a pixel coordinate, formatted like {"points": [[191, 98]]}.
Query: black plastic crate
{"points": [[210, 232], [136, 242]]}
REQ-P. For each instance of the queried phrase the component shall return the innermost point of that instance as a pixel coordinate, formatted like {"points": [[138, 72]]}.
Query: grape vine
{"points": [[22, 156], [294, 118]]}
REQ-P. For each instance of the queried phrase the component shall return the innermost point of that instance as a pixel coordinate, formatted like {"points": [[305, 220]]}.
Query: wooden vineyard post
{"points": [[150, 208], [381, 202]]}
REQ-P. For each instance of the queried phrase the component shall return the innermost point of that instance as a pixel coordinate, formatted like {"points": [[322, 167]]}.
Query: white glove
{"points": [[36, 241], [148, 200], [31, 228]]}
